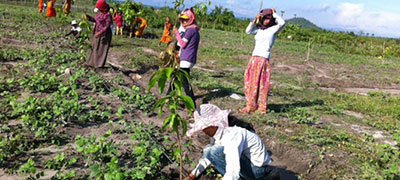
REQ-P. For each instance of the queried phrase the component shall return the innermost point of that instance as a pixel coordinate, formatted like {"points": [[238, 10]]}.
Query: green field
{"points": [[335, 116]]}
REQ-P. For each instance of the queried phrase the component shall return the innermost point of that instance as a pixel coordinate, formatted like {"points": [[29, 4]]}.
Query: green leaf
{"points": [[154, 78], [188, 102], [107, 134], [172, 121], [169, 72], [166, 122], [177, 152], [172, 93], [108, 176], [178, 87], [72, 161], [183, 74], [120, 110], [176, 124], [161, 83], [184, 126], [160, 103], [160, 112], [95, 168]]}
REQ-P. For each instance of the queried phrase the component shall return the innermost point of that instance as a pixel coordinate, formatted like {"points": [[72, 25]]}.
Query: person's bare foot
{"points": [[244, 110], [259, 111]]}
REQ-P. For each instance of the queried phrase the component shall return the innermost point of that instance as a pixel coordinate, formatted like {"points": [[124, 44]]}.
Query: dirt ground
{"points": [[290, 160]]}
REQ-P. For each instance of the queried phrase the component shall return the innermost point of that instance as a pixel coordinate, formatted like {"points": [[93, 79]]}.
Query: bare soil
{"points": [[291, 160]]}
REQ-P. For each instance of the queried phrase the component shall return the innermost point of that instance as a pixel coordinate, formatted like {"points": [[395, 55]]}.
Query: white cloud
{"points": [[350, 14], [241, 8], [323, 7], [230, 2], [354, 16]]}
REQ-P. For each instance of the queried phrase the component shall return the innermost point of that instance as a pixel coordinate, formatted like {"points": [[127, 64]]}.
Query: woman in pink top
{"points": [[189, 43]]}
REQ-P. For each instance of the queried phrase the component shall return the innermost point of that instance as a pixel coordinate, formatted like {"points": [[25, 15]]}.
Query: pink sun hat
{"points": [[208, 115]]}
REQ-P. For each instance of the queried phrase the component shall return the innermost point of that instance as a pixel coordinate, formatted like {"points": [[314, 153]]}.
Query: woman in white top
{"points": [[237, 151], [266, 27]]}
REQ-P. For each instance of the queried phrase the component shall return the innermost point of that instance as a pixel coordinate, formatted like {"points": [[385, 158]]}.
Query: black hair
{"points": [[272, 21], [234, 121]]}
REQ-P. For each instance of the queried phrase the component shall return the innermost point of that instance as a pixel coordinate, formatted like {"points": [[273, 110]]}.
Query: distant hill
{"points": [[302, 22]]}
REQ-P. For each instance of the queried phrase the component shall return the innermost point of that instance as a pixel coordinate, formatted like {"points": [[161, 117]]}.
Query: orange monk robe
{"points": [[51, 11], [40, 6], [67, 7], [143, 24], [166, 37]]}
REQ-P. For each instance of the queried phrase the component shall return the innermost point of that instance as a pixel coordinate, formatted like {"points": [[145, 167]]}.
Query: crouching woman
{"points": [[237, 151]]}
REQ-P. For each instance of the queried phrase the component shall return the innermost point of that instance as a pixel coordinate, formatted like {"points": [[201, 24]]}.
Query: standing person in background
{"points": [[166, 37], [118, 22], [40, 6], [189, 46], [67, 7], [102, 35], [143, 24], [257, 75], [51, 11], [113, 26]]}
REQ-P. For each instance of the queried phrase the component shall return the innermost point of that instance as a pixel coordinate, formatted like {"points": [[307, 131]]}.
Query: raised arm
{"points": [[251, 29], [280, 23]]}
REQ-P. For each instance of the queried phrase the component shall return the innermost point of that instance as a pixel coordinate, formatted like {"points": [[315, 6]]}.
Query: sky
{"points": [[378, 17]]}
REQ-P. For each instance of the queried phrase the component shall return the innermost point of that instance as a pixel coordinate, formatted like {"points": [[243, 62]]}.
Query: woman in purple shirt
{"points": [[189, 43], [102, 38]]}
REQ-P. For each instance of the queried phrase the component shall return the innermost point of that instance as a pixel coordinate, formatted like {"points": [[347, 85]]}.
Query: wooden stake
{"points": [[309, 50], [383, 51], [242, 37], [371, 46]]}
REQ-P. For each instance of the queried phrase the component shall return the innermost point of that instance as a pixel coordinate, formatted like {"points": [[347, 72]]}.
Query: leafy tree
{"points": [[131, 10], [222, 16]]}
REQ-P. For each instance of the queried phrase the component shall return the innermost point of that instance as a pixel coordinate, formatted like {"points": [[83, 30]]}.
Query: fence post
{"points": [[241, 37], [383, 51], [309, 50], [371, 46]]}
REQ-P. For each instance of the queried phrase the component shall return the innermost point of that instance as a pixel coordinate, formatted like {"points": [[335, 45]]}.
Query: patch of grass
{"points": [[383, 107]]}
